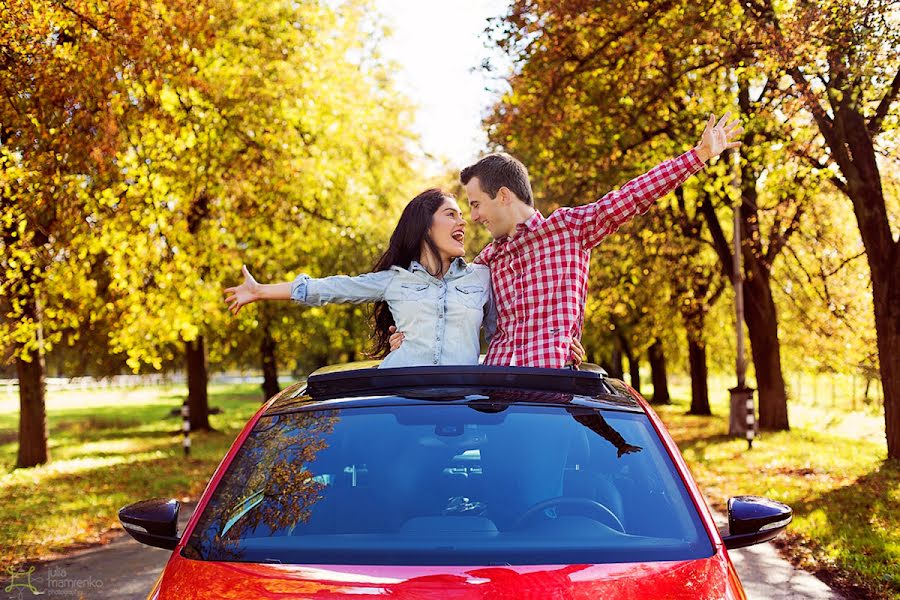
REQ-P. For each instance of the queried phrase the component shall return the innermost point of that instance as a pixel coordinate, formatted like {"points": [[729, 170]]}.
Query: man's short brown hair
{"points": [[498, 170]]}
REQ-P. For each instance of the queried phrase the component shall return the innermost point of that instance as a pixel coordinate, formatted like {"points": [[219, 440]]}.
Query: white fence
{"points": [[10, 387]]}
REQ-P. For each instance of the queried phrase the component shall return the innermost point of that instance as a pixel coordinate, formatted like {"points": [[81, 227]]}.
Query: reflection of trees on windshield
{"points": [[596, 423], [268, 486], [588, 417]]}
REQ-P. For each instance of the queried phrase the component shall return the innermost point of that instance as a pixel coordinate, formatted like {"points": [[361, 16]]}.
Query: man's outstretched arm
{"points": [[595, 221]]}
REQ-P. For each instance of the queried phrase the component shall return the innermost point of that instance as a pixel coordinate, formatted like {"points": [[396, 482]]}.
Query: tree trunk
{"points": [[198, 402], [887, 327], [759, 307], [855, 154], [614, 366], [699, 378], [269, 364], [658, 373], [634, 367], [32, 412], [762, 327]]}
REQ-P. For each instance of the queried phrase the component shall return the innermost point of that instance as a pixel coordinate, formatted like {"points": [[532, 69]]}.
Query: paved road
{"points": [[126, 570], [767, 576]]}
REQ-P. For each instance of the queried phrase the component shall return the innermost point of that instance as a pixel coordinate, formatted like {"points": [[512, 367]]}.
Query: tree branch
{"points": [[835, 180], [843, 264], [780, 239], [720, 243], [84, 19], [874, 125]]}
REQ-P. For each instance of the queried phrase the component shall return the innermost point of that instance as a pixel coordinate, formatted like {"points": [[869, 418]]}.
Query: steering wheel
{"points": [[606, 516]]}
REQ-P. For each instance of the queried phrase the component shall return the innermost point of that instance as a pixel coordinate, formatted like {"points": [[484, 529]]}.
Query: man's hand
{"points": [[718, 137], [243, 294], [396, 338], [577, 352]]}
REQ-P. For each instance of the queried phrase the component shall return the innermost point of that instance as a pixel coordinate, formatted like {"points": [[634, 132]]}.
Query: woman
{"points": [[421, 285]]}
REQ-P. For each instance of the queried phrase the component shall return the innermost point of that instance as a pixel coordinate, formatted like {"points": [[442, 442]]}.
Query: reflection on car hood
{"points": [[703, 579]]}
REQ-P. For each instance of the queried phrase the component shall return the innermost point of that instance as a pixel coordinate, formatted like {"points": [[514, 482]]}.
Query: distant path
{"points": [[127, 570]]}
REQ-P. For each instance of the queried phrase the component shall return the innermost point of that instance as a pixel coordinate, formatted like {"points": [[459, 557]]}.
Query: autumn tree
{"points": [[63, 66], [291, 136], [599, 90], [840, 63], [143, 151]]}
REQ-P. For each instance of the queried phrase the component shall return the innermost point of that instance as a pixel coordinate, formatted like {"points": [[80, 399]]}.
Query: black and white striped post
{"points": [[186, 428], [743, 414]]}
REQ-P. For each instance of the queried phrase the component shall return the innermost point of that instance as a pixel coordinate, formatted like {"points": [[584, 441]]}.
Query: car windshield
{"points": [[467, 483]]}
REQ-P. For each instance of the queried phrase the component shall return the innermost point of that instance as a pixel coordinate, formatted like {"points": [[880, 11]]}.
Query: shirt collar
{"points": [[530, 224], [457, 267]]}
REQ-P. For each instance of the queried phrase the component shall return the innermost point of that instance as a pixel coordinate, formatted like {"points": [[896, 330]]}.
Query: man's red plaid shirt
{"points": [[540, 274]]}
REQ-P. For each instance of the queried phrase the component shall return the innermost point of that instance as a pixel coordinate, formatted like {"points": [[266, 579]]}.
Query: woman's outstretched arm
{"points": [[336, 289]]}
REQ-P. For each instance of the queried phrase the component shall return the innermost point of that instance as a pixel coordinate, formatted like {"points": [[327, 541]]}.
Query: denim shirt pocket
{"points": [[471, 296], [411, 292]]}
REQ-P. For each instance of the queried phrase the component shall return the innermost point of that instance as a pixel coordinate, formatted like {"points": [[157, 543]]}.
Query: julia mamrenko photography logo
{"points": [[52, 582]]}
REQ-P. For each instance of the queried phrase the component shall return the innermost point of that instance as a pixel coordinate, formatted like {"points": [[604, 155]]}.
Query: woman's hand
{"points": [[243, 294]]}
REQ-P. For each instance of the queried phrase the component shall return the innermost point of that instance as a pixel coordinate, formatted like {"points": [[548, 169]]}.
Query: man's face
{"points": [[487, 211]]}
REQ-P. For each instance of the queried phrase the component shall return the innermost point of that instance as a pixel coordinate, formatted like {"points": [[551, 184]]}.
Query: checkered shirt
{"points": [[540, 274]]}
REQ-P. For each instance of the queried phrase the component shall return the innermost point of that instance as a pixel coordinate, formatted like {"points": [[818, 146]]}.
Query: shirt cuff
{"points": [[299, 288], [693, 159]]}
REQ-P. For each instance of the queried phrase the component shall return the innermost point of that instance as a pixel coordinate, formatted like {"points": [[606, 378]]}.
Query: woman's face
{"points": [[448, 229]]}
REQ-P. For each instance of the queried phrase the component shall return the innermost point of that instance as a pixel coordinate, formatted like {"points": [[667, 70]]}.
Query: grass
{"points": [[108, 448], [830, 468], [112, 447]]}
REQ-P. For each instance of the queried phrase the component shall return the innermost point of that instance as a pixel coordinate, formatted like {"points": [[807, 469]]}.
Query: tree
{"points": [[609, 87], [291, 137], [846, 78], [63, 66], [139, 154], [696, 279]]}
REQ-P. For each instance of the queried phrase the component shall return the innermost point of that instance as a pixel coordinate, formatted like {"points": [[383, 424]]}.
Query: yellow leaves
{"points": [[188, 331], [328, 140]]}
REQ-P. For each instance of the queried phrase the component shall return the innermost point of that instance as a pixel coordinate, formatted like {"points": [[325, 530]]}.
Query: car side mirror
{"points": [[152, 522], [753, 520]]}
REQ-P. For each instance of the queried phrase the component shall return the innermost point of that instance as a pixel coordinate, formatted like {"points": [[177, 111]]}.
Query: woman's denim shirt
{"points": [[440, 318]]}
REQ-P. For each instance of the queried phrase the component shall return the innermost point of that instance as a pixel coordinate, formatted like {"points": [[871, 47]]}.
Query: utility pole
{"points": [[742, 421]]}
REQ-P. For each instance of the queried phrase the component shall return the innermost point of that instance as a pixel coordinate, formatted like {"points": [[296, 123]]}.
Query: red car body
{"points": [[711, 578]]}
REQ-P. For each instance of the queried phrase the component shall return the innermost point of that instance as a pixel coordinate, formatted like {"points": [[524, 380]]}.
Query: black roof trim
{"points": [[586, 383]]}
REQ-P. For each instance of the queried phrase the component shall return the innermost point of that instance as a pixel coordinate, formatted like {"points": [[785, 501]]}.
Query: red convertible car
{"points": [[453, 483]]}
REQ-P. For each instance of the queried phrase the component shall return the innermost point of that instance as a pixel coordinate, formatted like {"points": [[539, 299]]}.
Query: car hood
{"points": [[703, 579]]}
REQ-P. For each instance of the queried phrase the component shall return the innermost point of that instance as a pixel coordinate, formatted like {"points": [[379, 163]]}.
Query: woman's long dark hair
{"points": [[405, 246]]}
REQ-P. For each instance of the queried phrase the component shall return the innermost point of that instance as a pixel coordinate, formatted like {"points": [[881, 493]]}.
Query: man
{"points": [[539, 266]]}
